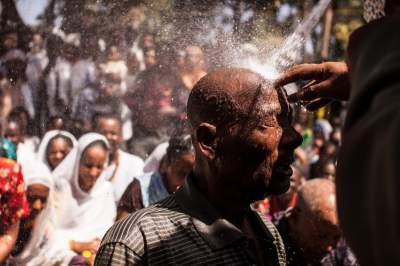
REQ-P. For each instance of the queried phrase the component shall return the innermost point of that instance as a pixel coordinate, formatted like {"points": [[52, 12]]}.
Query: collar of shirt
{"points": [[216, 231]]}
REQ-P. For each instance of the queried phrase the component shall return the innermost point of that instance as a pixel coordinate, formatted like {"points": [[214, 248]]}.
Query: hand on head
{"points": [[328, 81]]}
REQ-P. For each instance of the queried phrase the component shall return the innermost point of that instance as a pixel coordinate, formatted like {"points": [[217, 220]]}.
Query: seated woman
{"points": [[171, 174], [13, 203], [36, 242], [54, 147], [91, 205]]}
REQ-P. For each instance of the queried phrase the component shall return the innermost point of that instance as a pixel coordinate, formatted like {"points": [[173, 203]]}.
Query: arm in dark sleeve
{"points": [[368, 183]]}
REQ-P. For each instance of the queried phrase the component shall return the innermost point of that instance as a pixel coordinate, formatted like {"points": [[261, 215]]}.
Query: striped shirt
{"points": [[184, 229]]}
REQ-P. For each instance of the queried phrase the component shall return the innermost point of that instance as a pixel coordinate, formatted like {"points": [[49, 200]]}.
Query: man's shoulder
{"points": [[135, 227]]}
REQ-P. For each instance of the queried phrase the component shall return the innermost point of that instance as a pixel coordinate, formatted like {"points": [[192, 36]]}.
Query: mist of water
{"points": [[290, 52]]}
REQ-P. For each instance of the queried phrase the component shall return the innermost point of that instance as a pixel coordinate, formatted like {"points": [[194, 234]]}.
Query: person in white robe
{"points": [[92, 208]]}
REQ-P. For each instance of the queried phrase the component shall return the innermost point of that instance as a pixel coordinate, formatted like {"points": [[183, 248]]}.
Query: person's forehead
{"points": [[267, 103]]}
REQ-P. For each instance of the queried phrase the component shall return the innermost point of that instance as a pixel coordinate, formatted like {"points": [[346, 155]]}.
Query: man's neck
{"points": [[229, 205]]}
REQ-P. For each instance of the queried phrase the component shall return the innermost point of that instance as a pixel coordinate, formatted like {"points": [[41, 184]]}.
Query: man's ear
{"points": [[206, 139]]}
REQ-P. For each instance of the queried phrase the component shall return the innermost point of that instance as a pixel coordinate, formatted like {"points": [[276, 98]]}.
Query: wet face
{"points": [[91, 166], [111, 129], [178, 169], [258, 152], [37, 195], [58, 149], [13, 133]]}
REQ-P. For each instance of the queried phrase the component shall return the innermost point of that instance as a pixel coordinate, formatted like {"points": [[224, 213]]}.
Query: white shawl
{"points": [[94, 212], [42, 150], [41, 248]]}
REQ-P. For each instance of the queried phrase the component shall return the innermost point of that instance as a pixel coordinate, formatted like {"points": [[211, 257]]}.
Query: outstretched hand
{"points": [[328, 81]]}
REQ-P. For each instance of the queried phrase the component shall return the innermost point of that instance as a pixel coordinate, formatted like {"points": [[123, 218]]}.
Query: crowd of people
{"points": [[90, 137]]}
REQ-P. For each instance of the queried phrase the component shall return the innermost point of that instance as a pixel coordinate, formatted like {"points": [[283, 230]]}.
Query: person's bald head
{"points": [[314, 223], [242, 133], [226, 95], [317, 197]]}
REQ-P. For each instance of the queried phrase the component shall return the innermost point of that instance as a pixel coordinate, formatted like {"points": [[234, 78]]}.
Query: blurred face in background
{"points": [[10, 41], [110, 86], [114, 54], [91, 166], [177, 169], [14, 133], [111, 128], [194, 57], [57, 150], [37, 195], [150, 58]]}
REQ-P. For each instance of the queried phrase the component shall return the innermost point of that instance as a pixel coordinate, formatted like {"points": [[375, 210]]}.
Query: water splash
{"points": [[290, 52]]}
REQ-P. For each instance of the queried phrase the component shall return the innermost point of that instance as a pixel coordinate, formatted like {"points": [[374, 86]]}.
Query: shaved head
{"points": [[242, 135], [314, 225], [317, 197], [226, 95]]}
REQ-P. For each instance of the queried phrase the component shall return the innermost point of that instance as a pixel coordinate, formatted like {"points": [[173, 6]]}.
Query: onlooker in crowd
{"points": [[104, 98], [311, 230], [123, 167], [14, 133], [173, 169], [36, 60], [13, 204], [36, 243], [92, 205], [244, 146], [55, 146]]}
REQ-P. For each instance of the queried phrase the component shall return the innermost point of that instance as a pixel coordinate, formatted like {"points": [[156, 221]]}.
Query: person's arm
{"points": [[7, 241]]}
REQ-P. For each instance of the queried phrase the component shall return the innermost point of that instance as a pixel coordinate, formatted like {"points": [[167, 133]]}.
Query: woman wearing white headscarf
{"points": [[36, 244], [93, 210], [54, 147]]}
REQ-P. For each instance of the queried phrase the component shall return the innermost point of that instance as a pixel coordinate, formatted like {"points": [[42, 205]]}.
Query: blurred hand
{"points": [[328, 81]]}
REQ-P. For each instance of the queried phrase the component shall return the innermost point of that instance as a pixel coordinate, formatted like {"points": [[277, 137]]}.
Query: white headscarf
{"points": [[42, 150], [41, 248], [94, 211]]}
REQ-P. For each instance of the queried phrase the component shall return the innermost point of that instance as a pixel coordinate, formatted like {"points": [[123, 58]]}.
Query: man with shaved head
{"points": [[311, 229], [244, 145]]}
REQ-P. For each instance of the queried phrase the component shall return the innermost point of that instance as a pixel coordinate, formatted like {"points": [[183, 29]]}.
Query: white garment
{"points": [[152, 163], [59, 79], [94, 212], [130, 166], [42, 150], [41, 248], [26, 158], [83, 74]]}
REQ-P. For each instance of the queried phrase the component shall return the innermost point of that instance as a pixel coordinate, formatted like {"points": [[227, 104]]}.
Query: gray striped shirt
{"points": [[184, 229]]}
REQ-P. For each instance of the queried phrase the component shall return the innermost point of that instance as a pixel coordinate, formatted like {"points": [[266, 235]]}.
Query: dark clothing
{"points": [[131, 200], [340, 256], [184, 229], [368, 183]]}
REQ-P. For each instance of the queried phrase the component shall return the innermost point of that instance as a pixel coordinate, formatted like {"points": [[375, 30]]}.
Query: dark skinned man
{"points": [[244, 145]]}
